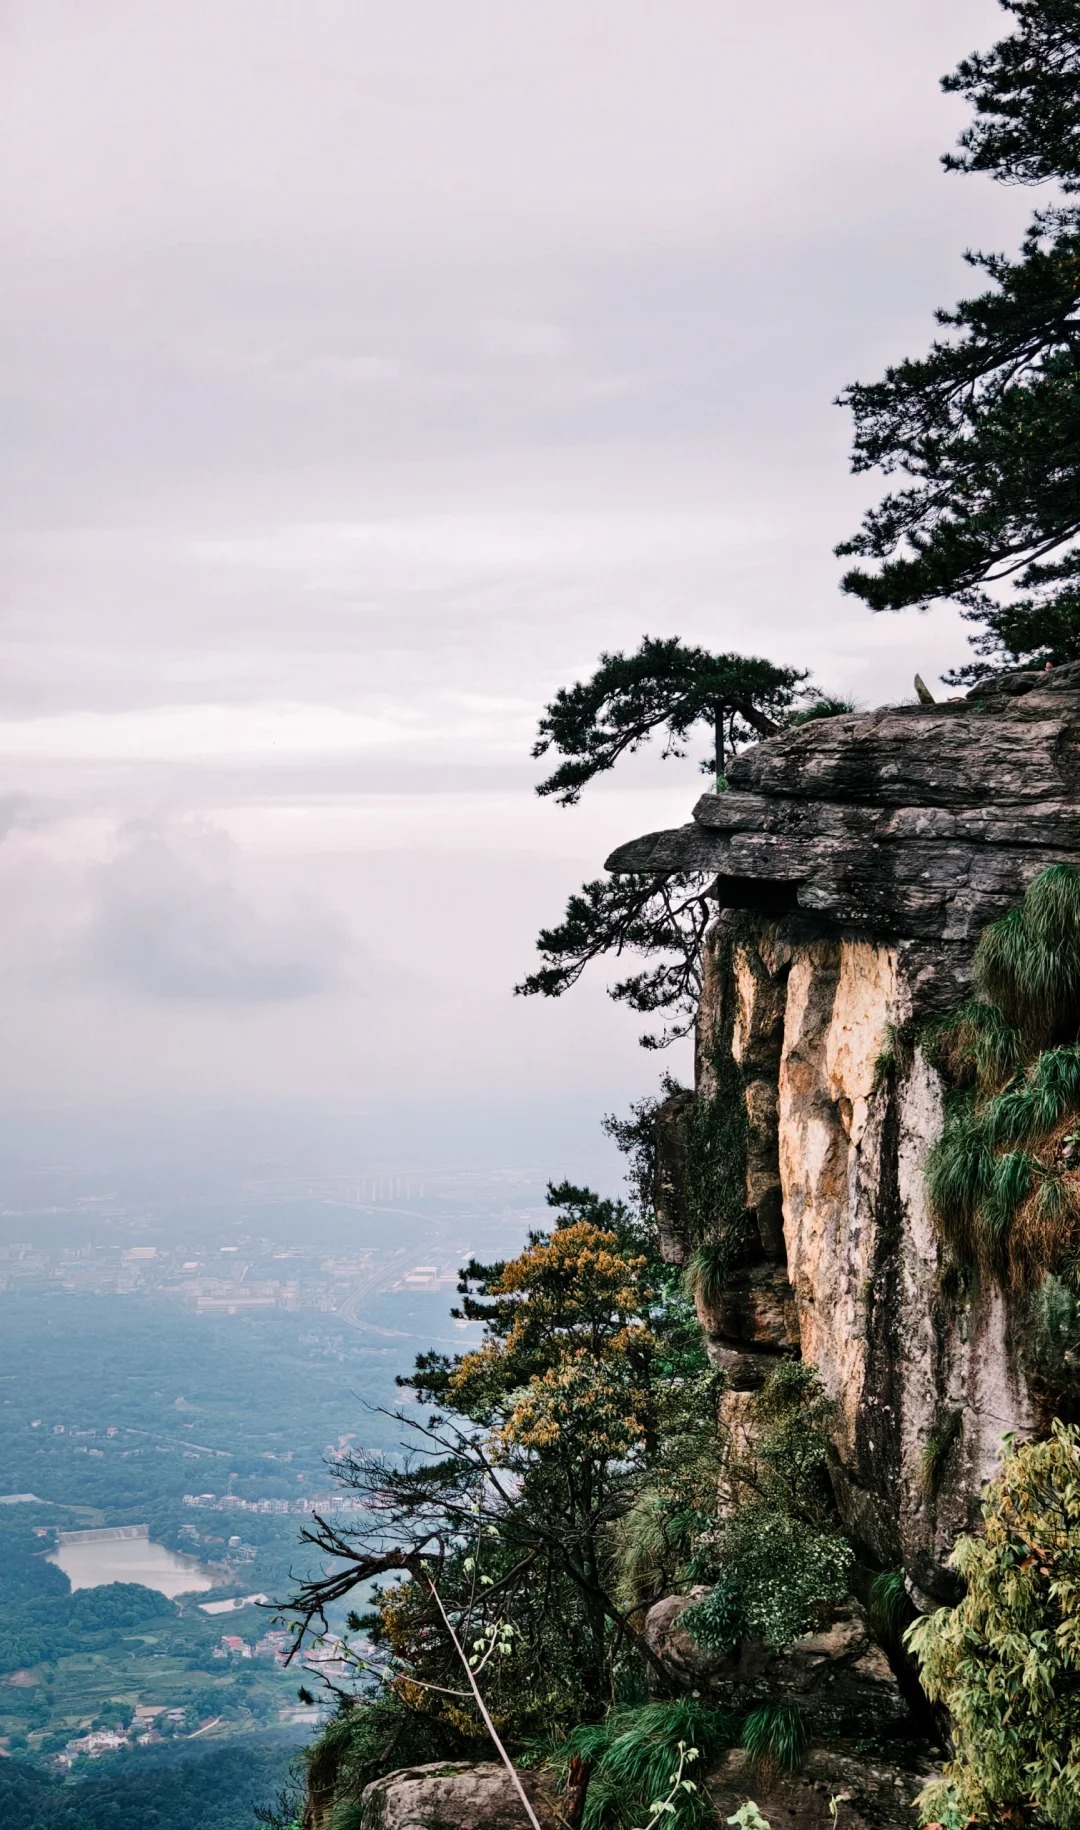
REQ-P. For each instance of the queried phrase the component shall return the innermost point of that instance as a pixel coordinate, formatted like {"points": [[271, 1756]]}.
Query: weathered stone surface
{"points": [[454, 1796], [837, 1676], [914, 821], [669, 1190], [856, 860], [676, 1645], [757, 1311], [874, 1794], [756, 1043], [864, 1262]]}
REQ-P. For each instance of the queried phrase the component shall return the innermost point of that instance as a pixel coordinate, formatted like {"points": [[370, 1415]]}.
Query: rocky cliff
{"points": [[855, 861]]}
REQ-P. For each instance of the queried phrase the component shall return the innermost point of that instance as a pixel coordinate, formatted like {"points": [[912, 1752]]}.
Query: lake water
{"points": [[87, 1566]]}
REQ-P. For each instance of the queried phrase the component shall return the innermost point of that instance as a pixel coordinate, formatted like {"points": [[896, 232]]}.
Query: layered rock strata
{"points": [[855, 861]]}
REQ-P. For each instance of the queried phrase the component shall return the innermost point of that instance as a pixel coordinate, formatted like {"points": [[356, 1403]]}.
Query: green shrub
{"points": [[1054, 1328], [776, 1576], [1006, 1661], [376, 1736], [633, 1754], [780, 1558]]}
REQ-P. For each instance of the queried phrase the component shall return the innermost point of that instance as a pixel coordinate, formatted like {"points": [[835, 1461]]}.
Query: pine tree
{"points": [[664, 686], [987, 424], [668, 689]]}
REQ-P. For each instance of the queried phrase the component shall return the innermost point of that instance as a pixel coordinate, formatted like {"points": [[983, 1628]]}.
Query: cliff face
{"points": [[856, 860]]}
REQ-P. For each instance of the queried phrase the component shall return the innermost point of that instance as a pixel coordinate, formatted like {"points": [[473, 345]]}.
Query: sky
{"points": [[368, 369]]}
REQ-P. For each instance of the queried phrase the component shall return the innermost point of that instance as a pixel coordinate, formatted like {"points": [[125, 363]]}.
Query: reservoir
{"points": [[91, 1558]]}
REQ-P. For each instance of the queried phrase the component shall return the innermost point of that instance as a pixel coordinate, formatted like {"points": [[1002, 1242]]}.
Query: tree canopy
{"points": [[533, 1450], [664, 686], [987, 424]]}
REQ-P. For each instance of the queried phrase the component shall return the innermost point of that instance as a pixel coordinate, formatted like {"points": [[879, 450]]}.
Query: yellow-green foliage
{"points": [[1006, 1661]]}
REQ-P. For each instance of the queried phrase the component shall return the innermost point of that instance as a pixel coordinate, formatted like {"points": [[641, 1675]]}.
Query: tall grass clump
{"points": [[942, 1439], [775, 1738], [647, 1540], [633, 1754], [707, 1271], [1028, 962], [1004, 1178], [889, 1606]]}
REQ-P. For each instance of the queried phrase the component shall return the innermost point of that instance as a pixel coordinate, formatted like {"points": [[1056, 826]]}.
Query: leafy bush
{"points": [[776, 1576], [1006, 1661], [779, 1559], [1054, 1329], [362, 1743]]}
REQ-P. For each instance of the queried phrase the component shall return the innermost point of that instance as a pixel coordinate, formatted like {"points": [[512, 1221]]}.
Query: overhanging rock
{"points": [[920, 822]]}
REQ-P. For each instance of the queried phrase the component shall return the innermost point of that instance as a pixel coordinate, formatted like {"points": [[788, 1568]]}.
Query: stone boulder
{"points": [[838, 1675], [455, 1795], [672, 1642]]}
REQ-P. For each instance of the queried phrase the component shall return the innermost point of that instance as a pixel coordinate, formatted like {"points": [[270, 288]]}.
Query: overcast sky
{"points": [[369, 366]]}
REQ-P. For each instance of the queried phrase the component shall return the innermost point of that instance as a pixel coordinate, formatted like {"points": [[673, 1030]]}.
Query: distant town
{"points": [[418, 1234]]}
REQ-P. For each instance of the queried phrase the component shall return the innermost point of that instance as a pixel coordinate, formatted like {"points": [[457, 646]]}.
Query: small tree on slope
{"points": [[664, 689]]}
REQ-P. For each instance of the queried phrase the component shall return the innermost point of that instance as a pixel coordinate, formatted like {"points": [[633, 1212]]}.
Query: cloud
{"points": [[171, 921]]}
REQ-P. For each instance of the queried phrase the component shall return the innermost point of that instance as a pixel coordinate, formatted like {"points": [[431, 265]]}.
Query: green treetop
{"points": [[664, 686], [666, 689], [986, 425]]}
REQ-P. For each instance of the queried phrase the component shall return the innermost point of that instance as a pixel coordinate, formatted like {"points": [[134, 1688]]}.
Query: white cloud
{"points": [[371, 368], [169, 920]]}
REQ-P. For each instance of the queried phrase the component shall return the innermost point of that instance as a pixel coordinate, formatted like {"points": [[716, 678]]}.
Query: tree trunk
{"points": [[718, 726]]}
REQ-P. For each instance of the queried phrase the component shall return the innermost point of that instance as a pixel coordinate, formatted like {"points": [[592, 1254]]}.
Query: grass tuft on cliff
{"points": [[944, 1434], [1004, 1177], [1028, 962]]}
